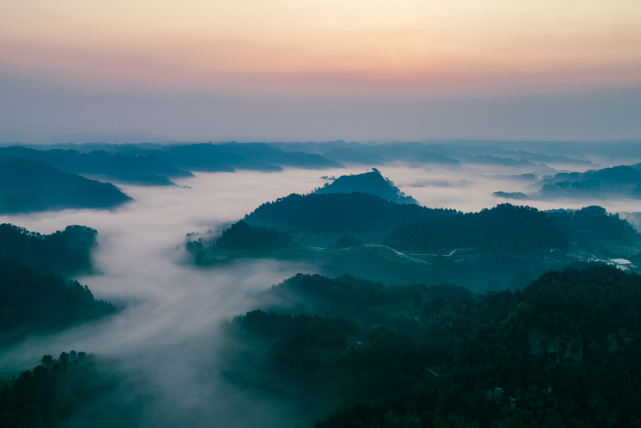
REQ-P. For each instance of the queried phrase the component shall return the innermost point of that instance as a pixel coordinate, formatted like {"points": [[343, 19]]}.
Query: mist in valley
{"points": [[165, 342]]}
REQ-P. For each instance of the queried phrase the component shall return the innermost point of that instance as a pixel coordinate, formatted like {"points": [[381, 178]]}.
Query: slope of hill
{"points": [[27, 185], [370, 182]]}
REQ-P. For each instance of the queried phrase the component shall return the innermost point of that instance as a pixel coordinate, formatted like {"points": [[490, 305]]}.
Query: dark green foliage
{"points": [[593, 223], [241, 236], [301, 346], [341, 213], [30, 301], [505, 227], [370, 182], [27, 185], [561, 352], [61, 253], [53, 392]]}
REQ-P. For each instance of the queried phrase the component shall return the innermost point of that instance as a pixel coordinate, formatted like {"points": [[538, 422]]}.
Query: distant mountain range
{"points": [[619, 182], [27, 185]]}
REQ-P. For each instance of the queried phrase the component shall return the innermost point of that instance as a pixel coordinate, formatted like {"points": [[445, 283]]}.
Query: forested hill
{"points": [[593, 223], [370, 182], [30, 302], [561, 352], [341, 213], [28, 185], [62, 253], [505, 227], [56, 392]]}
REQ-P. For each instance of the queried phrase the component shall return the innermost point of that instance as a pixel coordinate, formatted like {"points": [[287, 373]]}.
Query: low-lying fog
{"points": [[166, 335]]}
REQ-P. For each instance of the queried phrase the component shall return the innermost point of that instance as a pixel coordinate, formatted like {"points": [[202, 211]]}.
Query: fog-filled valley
{"points": [[344, 284]]}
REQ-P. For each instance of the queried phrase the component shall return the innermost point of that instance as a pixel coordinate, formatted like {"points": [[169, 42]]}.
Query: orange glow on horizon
{"points": [[355, 45]]}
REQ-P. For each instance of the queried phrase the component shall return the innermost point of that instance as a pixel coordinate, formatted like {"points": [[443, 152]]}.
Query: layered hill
{"points": [[132, 169], [27, 185]]}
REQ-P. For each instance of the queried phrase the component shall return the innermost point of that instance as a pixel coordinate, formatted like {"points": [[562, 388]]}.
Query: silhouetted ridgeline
{"points": [[370, 182], [505, 227], [62, 253], [27, 186], [561, 352], [231, 156], [341, 213], [496, 153], [31, 302]]}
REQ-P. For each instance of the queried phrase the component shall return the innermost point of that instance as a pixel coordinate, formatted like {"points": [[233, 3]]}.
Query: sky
{"points": [[291, 70]]}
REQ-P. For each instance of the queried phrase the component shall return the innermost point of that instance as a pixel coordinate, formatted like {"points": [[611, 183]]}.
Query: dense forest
{"points": [[63, 253], [58, 390], [32, 301], [561, 352], [505, 227], [370, 182], [241, 236], [340, 213], [27, 185]]}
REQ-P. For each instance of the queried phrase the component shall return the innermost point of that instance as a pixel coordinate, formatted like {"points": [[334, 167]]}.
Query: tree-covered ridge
{"points": [[340, 213], [561, 352], [241, 236], [62, 253], [505, 227], [370, 182], [27, 186], [31, 301], [593, 223], [55, 391]]}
